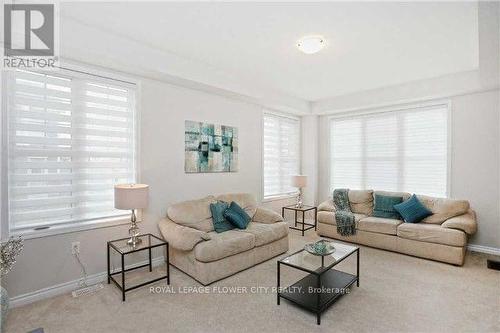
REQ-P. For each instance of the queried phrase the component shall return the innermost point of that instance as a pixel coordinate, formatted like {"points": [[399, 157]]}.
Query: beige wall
{"points": [[475, 161]]}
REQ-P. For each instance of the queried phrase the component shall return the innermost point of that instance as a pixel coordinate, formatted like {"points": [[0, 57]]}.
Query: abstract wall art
{"points": [[210, 148]]}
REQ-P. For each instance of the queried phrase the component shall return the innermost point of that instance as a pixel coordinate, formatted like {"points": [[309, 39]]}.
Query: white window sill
{"points": [[280, 197], [73, 227]]}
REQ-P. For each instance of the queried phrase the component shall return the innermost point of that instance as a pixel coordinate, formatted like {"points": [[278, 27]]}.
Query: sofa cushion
{"points": [[379, 224], [384, 206], [193, 213], [327, 206], [267, 233], [443, 209], [221, 224], [237, 216], [329, 217], [245, 200], [223, 245], [361, 201], [405, 195], [412, 210], [465, 222], [432, 233]]}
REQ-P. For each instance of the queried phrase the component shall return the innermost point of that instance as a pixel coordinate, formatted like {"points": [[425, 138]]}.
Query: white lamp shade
{"points": [[299, 181], [131, 196]]}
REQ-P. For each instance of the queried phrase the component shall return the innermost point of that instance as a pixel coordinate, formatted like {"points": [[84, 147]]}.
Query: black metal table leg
{"points": [[278, 284], [357, 267], [303, 222], [150, 261], [318, 310], [109, 276], [295, 218], [168, 264], [315, 219], [123, 278]]}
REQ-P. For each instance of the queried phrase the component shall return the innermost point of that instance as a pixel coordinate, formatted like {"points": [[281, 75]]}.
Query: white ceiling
{"points": [[370, 45]]}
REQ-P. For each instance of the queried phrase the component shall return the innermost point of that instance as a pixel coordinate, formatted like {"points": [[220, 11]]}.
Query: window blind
{"points": [[281, 154], [71, 137], [404, 150]]}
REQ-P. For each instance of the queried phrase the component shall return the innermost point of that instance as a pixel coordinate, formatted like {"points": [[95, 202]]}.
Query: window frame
{"points": [[100, 74], [282, 195], [398, 108]]}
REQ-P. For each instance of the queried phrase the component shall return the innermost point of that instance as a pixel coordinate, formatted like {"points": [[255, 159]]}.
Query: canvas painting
{"points": [[210, 148]]}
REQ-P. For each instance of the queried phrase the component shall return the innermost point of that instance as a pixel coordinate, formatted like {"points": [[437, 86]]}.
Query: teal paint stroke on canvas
{"points": [[210, 148]]}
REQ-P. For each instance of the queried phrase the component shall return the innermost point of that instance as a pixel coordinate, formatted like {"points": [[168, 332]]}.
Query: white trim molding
{"points": [[69, 286], [484, 249]]}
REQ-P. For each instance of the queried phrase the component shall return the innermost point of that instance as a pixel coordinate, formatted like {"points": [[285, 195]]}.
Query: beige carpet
{"points": [[398, 293]]}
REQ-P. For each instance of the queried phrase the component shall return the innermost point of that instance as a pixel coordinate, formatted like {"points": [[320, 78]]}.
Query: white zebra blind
{"points": [[71, 137], [281, 154], [403, 150]]}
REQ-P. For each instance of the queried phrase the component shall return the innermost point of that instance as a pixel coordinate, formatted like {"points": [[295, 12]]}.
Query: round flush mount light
{"points": [[311, 44]]}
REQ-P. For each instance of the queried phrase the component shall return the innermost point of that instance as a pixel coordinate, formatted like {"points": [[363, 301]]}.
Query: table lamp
{"points": [[132, 197], [299, 181]]}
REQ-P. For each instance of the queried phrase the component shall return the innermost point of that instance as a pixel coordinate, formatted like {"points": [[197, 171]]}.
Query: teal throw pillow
{"points": [[412, 210], [384, 206], [237, 216], [221, 224]]}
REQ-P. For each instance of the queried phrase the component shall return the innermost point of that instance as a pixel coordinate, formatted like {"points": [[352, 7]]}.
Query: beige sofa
{"points": [[441, 236], [208, 256]]}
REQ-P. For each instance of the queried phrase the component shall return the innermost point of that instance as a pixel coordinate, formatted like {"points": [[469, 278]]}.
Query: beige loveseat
{"points": [[208, 256], [441, 236]]}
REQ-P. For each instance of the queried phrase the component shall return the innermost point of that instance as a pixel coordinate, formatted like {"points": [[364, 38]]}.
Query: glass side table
{"points": [[148, 243], [304, 225]]}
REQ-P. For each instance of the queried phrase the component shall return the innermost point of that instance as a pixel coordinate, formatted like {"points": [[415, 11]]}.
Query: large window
{"points": [[71, 137], [281, 154], [405, 150]]}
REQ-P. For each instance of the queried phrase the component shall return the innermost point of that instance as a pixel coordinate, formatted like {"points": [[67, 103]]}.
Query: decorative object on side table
{"points": [[132, 197], [299, 181], [121, 246], [303, 223], [8, 253], [320, 248]]}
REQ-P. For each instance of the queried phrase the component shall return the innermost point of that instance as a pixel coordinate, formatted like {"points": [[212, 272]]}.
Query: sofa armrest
{"points": [[465, 222], [180, 237], [264, 215], [326, 206]]}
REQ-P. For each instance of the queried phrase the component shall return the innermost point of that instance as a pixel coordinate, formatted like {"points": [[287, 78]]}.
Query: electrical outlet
{"points": [[75, 248]]}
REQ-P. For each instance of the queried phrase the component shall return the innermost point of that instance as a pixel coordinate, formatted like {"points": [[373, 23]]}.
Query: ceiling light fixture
{"points": [[311, 44]]}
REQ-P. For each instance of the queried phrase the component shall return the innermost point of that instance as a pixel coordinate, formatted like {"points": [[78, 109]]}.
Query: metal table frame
{"points": [[316, 275], [123, 287], [304, 209]]}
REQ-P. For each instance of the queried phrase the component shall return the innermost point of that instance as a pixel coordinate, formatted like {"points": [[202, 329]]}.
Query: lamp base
{"points": [[134, 241], [133, 231], [299, 199]]}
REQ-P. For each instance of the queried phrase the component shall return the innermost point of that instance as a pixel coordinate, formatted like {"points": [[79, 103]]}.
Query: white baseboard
{"points": [[69, 286], [483, 249]]}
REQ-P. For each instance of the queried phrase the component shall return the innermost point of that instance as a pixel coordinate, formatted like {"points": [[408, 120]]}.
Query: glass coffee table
{"points": [[323, 285]]}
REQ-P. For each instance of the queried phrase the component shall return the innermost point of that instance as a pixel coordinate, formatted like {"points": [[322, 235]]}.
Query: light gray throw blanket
{"points": [[346, 225]]}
